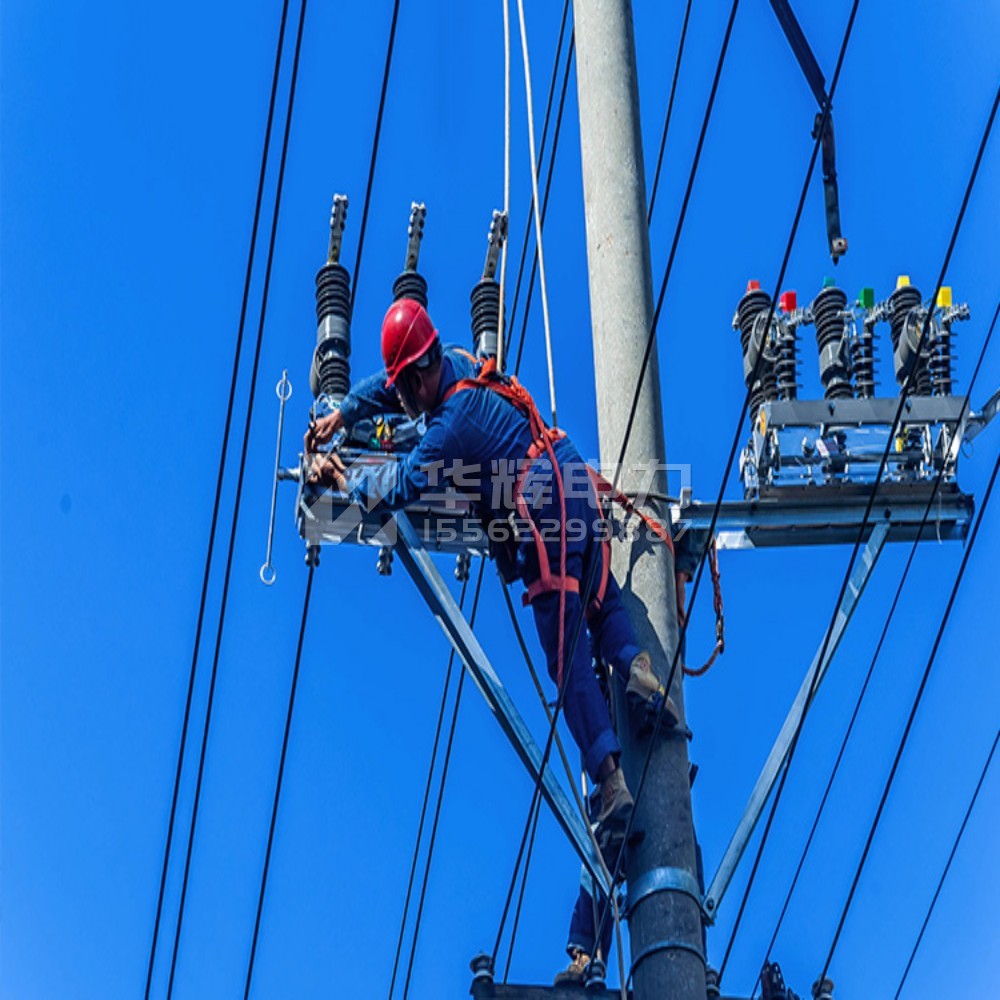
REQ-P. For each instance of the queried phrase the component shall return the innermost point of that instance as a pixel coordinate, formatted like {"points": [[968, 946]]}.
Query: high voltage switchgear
{"points": [[797, 444]]}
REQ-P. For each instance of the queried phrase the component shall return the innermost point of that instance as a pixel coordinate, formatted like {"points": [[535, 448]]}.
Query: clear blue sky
{"points": [[131, 137]]}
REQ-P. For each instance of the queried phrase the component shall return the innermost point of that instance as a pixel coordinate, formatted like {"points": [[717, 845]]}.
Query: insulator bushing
{"points": [[901, 301], [831, 341], [910, 359], [939, 364], [485, 300], [751, 314], [863, 362], [331, 372], [786, 366], [410, 285]]}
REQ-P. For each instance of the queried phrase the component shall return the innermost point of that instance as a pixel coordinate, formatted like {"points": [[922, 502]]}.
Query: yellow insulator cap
{"points": [[903, 281], [944, 297]]}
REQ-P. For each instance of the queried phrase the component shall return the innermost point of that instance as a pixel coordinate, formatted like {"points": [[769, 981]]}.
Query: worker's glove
{"points": [[328, 469], [321, 431]]}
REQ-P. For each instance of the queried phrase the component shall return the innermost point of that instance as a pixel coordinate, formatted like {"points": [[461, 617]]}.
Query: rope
{"points": [[423, 807], [375, 145], [947, 867], [904, 394], [720, 620], [871, 668], [217, 501], [541, 152], [545, 202], [670, 110], [239, 494], [440, 795], [536, 201], [278, 783], [506, 178], [913, 712]]}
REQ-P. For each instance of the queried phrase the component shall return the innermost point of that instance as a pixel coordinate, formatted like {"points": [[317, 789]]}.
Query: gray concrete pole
{"points": [[665, 925]]}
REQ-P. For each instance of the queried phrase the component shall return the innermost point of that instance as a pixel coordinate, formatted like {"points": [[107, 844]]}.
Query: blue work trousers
{"points": [[582, 925], [612, 639]]}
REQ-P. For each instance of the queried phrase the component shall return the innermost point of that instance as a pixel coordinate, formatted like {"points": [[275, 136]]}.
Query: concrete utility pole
{"points": [[665, 920]]}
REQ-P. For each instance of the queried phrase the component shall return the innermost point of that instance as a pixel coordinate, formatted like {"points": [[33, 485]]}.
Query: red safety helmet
{"points": [[407, 335]]}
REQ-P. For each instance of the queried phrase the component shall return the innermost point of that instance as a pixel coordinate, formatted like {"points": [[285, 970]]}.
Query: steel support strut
{"points": [[415, 557], [807, 691]]}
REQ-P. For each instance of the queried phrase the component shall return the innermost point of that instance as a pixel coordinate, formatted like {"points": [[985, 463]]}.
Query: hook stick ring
{"points": [[284, 387], [267, 574]]}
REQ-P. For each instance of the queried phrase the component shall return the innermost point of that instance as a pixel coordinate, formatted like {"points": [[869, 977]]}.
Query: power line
{"points": [[375, 145], [239, 493], [440, 795], [909, 722], [871, 668], [947, 867], [670, 111], [218, 496], [904, 393], [278, 783], [426, 801]]}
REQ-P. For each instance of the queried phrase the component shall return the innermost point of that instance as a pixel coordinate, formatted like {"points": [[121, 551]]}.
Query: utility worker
{"points": [[478, 429], [589, 912]]}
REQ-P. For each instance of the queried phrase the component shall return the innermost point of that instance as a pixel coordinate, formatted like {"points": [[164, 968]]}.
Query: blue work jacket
{"points": [[476, 440]]}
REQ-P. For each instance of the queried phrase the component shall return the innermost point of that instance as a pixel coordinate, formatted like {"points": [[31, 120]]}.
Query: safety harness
{"points": [[543, 440]]}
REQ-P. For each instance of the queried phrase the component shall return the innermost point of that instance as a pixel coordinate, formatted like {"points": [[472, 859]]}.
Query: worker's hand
{"points": [[328, 469], [680, 583], [321, 432]]}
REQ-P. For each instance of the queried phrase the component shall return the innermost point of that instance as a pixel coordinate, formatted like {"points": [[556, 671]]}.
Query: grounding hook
{"points": [[283, 390]]}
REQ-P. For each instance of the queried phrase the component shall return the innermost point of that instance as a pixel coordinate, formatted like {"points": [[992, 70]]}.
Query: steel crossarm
{"points": [[445, 609], [779, 752]]}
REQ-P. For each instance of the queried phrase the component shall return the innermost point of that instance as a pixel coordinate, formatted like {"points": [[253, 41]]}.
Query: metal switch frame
{"points": [[807, 692], [415, 557]]}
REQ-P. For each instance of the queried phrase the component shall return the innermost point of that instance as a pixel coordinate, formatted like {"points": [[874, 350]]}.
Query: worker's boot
{"points": [[645, 686], [575, 972], [613, 819]]}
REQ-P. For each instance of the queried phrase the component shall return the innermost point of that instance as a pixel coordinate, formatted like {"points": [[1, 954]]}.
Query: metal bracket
{"points": [[807, 692], [445, 609], [662, 880]]}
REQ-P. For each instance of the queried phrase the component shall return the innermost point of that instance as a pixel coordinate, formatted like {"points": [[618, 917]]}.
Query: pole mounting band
{"points": [[663, 880], [658, 946]]}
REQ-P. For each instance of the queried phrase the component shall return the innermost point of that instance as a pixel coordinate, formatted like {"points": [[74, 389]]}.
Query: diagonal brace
{"points": [[445, 609], [782, 746]]}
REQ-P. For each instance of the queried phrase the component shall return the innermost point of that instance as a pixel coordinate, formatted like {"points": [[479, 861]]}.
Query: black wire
{"points": [[947, 867], [218, 497], [440, 795], [375, 145], [545, 199], [538, 165], [427, 797], [670, 110], [913, 712], [524, 884], [593, 573], [871, 667], [864, 523], [239, 493], [277, 786]]}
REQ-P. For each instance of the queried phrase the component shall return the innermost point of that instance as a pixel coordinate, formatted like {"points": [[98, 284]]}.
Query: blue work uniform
{"points": [[479, 441]]}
